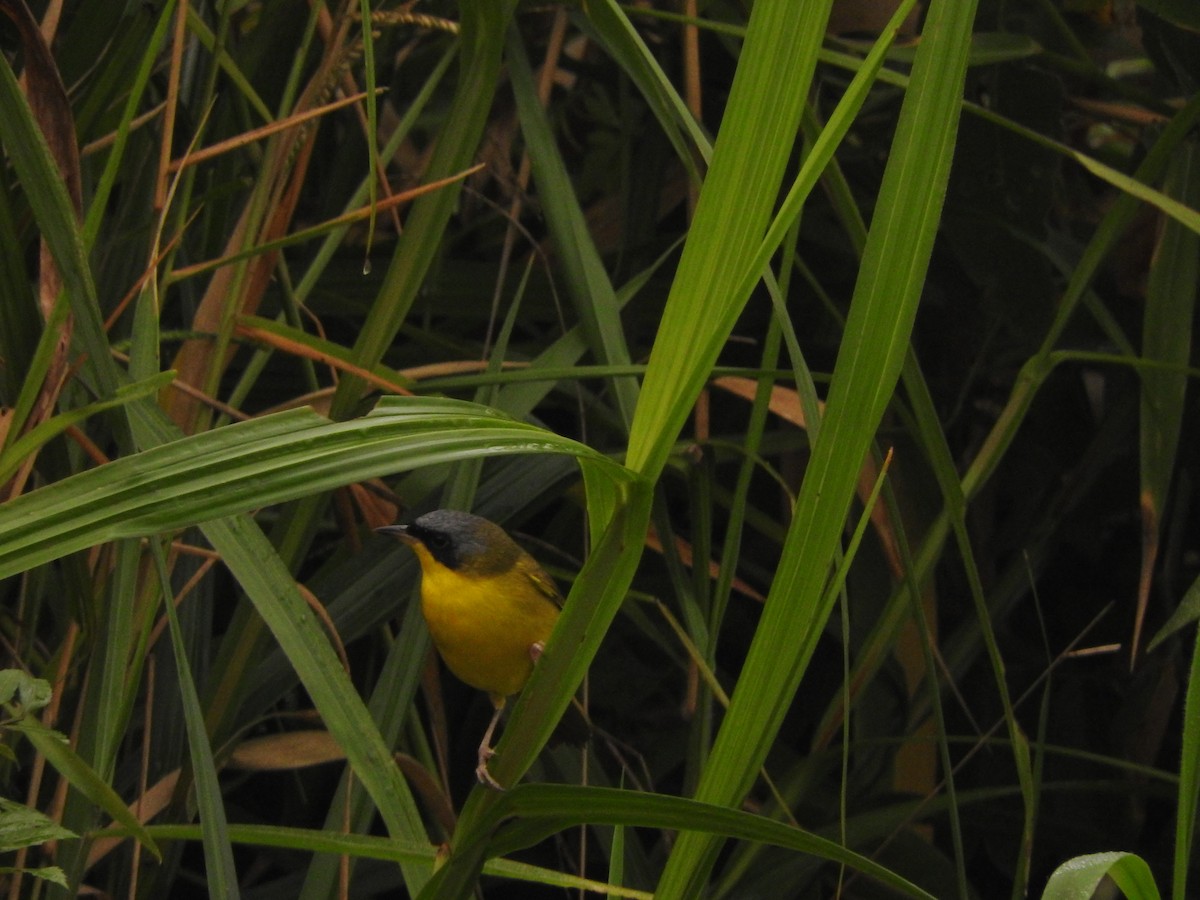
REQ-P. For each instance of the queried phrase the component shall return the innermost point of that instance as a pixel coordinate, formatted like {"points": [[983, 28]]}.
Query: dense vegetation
{"points": [[841, 372]]}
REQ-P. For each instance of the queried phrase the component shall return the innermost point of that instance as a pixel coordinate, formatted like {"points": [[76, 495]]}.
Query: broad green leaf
{"points": [[252, 464], [21, 826]]}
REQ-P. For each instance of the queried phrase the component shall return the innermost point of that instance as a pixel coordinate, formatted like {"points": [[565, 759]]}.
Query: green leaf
{"points": [[1078, 878], [1184, 13], [253, 464], [869, 361], [219, 869], [53, 874], [735, 204], [23, 692], [21, 826], [1185, 614], [83, 777], [1188, 796], [16, 453]]}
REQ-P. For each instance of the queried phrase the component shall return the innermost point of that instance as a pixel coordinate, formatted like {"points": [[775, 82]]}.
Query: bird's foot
{"points": [[481, 771]]}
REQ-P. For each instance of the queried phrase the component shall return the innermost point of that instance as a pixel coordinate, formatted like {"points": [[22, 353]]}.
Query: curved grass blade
{"points": [[540, 810], [1081, 877], [257, 463]]}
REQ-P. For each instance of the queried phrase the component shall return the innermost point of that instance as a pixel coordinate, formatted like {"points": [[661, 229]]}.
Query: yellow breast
{"points": [[484, 627]]}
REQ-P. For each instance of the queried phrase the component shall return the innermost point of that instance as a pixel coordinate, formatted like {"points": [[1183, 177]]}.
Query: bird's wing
{"points": [[543, 582]]}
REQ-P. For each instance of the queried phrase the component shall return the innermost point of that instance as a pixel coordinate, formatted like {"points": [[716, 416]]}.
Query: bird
{"points": [[489, 605]]}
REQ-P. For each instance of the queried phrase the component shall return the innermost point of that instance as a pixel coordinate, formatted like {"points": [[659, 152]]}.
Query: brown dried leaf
{"points": [[869, 17], [286, 751]]}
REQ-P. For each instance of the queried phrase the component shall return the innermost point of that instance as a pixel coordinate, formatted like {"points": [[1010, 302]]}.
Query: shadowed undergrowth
{"points": [[835, 357]]}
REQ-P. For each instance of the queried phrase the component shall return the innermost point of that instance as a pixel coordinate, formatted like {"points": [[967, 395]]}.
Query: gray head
{"points": [[460, 541]]}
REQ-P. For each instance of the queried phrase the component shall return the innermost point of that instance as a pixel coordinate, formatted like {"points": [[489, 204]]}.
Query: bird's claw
{"points": [[535, 650], [481, 771]]}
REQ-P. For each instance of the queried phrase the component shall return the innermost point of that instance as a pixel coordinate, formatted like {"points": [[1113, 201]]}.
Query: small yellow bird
{"points": [[490, 607]]}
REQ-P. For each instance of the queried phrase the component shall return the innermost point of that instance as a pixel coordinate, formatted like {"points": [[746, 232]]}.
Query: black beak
{"points": [[400, 531]]}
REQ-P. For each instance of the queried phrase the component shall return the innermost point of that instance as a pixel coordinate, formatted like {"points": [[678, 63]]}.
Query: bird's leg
{"points": [[485, 746], [486, 752]]}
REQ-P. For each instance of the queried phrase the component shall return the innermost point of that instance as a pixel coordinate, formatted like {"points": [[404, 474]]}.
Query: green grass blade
{"points": [[384, 849], [542, 809], [54, 747], [876, 338], [609, 24], [269, 585], [484, 24], [1135, 186], [1188, 796], [756, 138], [31, 441], [52, 207], [228, 65], [256, 463], [394, 692], [1080, 878], [99, 199], [827, 141], [219, 870], [1171, 296], [587, 282]]}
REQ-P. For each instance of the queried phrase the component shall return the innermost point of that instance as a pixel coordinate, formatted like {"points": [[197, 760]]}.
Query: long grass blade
{"points": [[252, 464], [732, 213], [588, 283], [1171, 297], [219, 869], [881, 315]]}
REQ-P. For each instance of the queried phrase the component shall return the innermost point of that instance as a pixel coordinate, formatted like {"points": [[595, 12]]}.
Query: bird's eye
{"points": [[437, 541]]}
